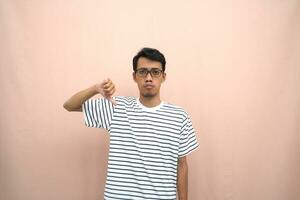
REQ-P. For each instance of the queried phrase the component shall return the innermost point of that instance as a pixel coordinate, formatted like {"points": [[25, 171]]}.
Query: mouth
{"points": [[149, 86]]}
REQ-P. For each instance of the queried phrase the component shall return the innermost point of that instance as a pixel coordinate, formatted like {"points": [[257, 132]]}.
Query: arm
{"points": [[75, 102], [182, 178], [106, 89]]}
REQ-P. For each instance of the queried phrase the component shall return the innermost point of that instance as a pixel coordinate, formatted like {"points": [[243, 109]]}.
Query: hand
{"points": [[106, 89]]}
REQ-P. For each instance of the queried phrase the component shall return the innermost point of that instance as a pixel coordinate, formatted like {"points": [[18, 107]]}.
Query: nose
{"points": [[148, 77]]}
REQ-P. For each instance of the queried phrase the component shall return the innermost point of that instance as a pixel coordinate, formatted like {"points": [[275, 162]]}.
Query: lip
{"points": [[149, 86]]}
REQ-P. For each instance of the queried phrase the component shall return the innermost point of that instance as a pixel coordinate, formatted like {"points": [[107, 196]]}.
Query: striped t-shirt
{"points": [[145, 144]]}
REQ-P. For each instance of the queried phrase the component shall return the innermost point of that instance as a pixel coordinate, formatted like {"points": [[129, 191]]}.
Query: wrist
{"points": [[94, 89]]}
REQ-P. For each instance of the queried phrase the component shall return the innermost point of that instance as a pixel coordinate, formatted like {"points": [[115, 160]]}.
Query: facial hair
{"points": [[148, 95]]}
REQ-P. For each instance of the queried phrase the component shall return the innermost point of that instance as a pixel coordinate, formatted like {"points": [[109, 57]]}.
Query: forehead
{"points": [[147, 63]]}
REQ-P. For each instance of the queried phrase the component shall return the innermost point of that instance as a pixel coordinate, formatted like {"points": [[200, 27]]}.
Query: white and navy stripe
{"points": [[145, 144]]}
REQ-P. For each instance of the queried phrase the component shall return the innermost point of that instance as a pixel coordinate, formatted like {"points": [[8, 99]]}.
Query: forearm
{"points": [[182, 180], [76, 101]]}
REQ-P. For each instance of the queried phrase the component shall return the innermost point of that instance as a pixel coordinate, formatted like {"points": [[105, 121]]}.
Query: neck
{"points": [[150, 101]]}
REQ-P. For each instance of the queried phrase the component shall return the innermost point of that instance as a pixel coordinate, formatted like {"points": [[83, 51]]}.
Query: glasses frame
{"points": [[149, 71]]}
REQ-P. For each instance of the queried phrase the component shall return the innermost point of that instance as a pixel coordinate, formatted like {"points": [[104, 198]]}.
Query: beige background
{"points": [[233, 65]]}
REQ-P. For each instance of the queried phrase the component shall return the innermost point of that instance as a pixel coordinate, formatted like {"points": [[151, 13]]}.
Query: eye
{"points": [[156, 72], [142, 71]]}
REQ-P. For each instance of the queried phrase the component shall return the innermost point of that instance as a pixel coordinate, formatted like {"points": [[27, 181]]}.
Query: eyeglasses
{"points": [[154, 72]]}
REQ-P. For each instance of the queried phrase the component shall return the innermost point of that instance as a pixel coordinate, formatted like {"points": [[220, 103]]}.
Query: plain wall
{"points": [[233, 65]]}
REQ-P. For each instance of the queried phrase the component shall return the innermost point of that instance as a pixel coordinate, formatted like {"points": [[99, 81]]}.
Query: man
{"points": [[149, 138]]}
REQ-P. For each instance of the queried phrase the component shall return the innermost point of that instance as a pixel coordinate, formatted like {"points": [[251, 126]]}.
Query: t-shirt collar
{"points": [[149, 108]]}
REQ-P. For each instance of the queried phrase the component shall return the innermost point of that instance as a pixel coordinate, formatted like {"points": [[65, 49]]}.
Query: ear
{"points": [[164, 77], [133, 76]]}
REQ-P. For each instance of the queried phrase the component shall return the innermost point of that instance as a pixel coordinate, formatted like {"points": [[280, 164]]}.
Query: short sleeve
{"points": [[188, 141], [98, 113]]}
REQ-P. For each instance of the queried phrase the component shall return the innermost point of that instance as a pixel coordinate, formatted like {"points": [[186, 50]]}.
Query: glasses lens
{"points": [[155, 72], [142, 72]]}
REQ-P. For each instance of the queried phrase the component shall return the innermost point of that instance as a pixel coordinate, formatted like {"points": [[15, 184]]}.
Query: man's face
{"points": [[149, 85]]}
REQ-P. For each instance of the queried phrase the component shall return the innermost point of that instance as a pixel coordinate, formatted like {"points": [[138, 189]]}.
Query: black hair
{"points": [[151, 54]]}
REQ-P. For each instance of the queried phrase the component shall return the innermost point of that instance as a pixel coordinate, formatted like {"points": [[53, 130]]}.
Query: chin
{"points": [[148, 95]]}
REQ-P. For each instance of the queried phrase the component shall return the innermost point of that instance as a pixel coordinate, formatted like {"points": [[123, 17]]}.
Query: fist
{"points": [[106, 89]]}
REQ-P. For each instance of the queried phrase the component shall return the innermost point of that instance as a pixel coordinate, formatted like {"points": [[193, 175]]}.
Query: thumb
{"points": [[111, 99]]}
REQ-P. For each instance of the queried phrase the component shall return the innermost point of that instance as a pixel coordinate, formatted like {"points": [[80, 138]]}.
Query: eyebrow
{"points": [[149, 68]]}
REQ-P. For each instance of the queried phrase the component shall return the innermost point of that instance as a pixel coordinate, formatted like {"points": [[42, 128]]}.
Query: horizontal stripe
{"points": [[135, 192], [116, 195], [135, 151], [141, 184], [116, 161], [148, 144], [133, 177], [151, 174]]}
